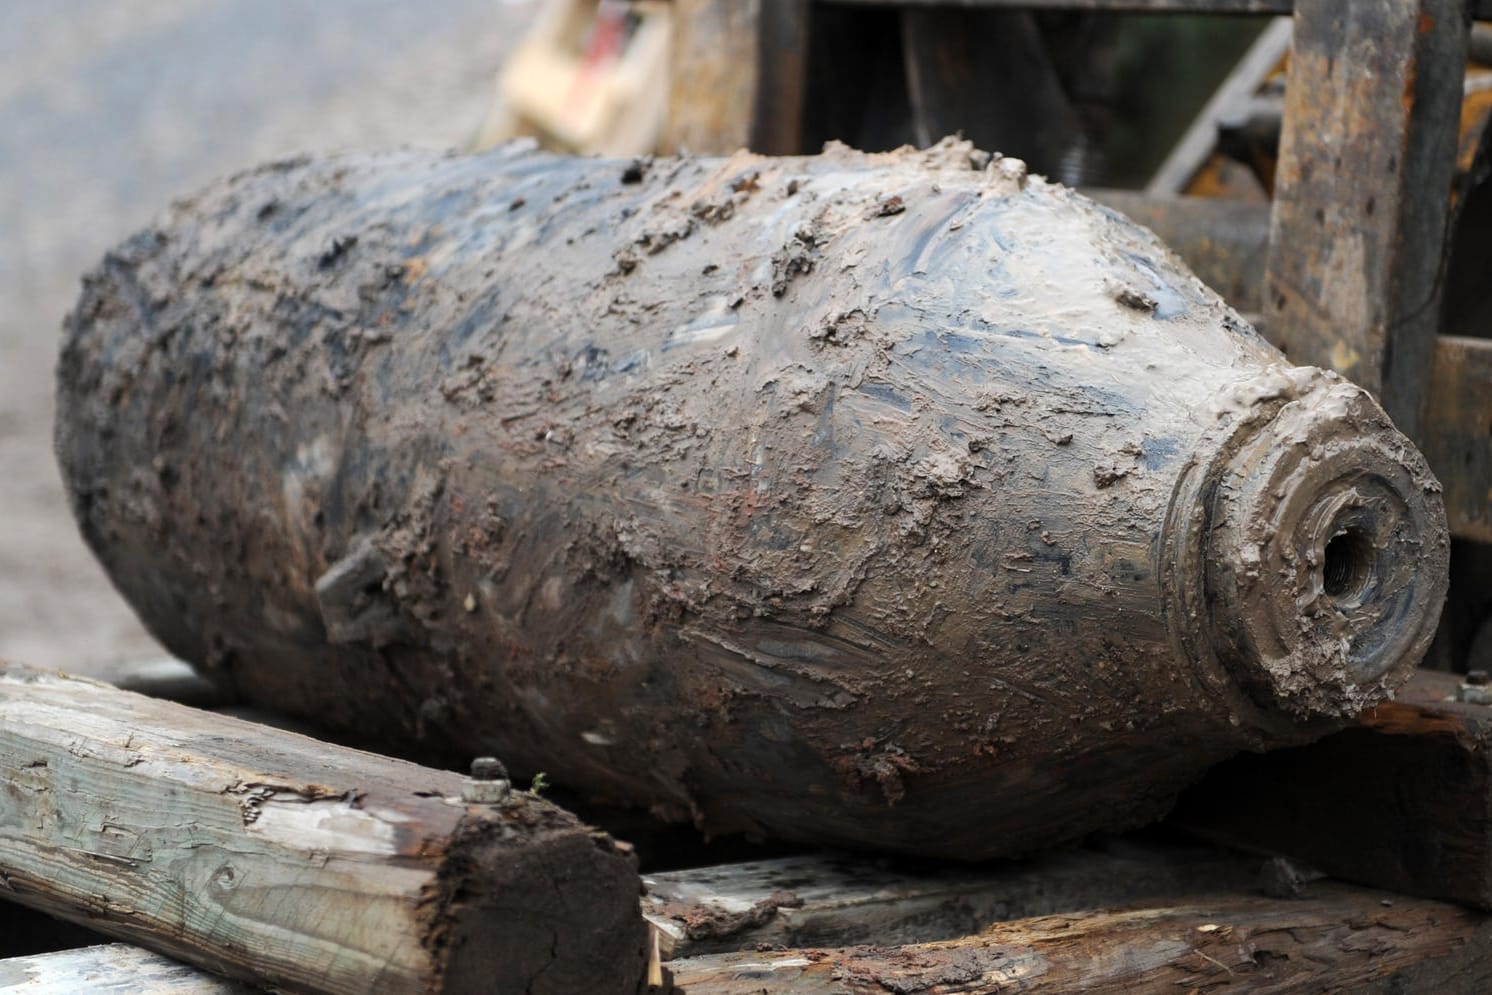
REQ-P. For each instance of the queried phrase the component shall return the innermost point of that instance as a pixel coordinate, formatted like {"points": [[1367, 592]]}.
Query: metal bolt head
{"points": [[474, 792], [488, 783], [488, 769], [1474, 693]]}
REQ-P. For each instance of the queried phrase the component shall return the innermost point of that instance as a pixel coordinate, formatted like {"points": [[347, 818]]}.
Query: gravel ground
{"points": [[107, 111]]}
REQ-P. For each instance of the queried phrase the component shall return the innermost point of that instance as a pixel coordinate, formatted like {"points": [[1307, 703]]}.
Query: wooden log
{"points": [[825, 900], [1401, 801], [110, 967], [268, 856], [1338, 939]]}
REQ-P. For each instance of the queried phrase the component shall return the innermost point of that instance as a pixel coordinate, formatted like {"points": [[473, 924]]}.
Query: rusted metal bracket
{"points": [[1358, 233]]}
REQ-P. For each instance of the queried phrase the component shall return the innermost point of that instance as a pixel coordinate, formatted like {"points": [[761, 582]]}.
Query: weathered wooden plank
{"points": [[1403, 801], [111, 967], [712, 76], [820, 900], [1337, 939], [265, 855], [1457, 436], [1367, 152]]}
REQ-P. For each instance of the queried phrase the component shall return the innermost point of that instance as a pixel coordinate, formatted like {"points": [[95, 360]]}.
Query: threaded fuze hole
{"points": [[1348, 565]]}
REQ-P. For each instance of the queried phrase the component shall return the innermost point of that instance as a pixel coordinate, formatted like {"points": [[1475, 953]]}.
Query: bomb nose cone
{"points": [[1326, 556]]}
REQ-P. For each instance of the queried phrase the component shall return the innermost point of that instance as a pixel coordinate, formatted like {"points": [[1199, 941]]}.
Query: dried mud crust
{"points": [[855, 498]]}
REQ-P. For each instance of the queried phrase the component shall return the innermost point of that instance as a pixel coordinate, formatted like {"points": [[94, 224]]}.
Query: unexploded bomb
{"points": [[895, 500]]}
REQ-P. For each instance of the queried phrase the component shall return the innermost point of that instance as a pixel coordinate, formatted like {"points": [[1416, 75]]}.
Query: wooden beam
{"points": [[1457, 436], [1401, 801], [269, 856], [1367, 153], [737, 76], [110, 967], [1337, 939], [834, 900], [712, 76]]}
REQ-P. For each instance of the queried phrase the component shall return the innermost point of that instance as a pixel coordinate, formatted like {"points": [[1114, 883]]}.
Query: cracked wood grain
{"points": [[269, 856], [1336, 939]]}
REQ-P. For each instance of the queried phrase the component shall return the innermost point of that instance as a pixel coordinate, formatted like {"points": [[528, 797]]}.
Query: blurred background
{"points": [[108, 110]]}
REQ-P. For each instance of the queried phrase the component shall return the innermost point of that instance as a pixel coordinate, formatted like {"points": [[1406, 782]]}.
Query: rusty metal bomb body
{"points": [[896, 500]]}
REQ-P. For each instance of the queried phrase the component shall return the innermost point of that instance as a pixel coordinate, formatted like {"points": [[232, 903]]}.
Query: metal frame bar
{"points": [[1200, 139], [1478, 8]]}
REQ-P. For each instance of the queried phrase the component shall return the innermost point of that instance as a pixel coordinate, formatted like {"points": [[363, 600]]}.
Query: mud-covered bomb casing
{"points": [[898, 500]]}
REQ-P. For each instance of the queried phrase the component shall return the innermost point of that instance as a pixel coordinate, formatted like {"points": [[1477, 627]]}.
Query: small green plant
{"points": [[539, 784]]}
